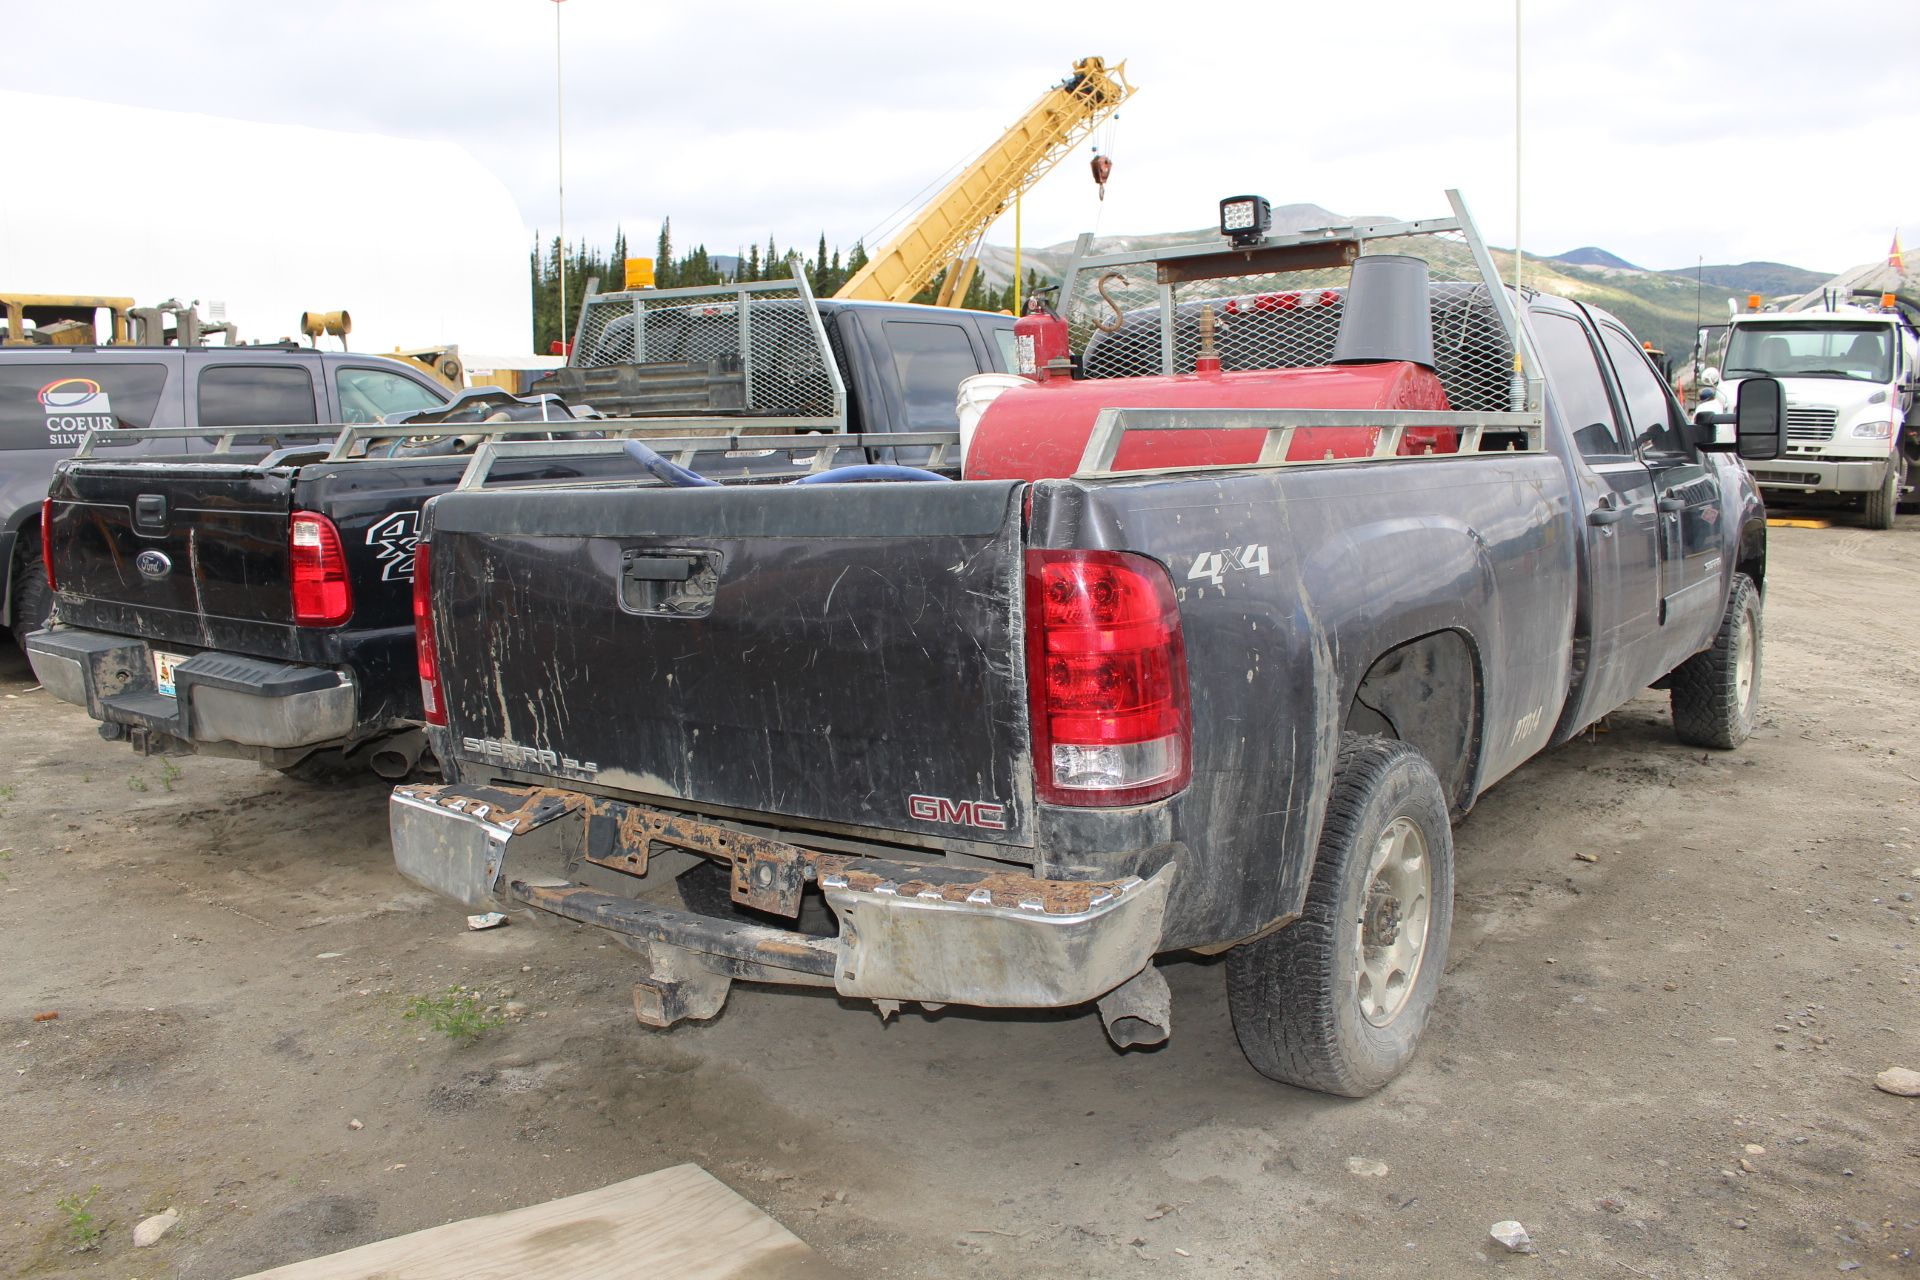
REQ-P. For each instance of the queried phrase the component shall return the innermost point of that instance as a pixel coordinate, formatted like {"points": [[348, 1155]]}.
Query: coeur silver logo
{"points": [[153, 564]]}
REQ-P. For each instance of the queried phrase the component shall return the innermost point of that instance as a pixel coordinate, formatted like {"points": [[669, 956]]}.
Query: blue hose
{"points": [[671, 473], [869, 472]]}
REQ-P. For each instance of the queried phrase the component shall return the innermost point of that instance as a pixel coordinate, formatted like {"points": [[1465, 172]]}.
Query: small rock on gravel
{"points": [[1900, 1081], [1361, 1167], [150, 1231], [1512, 1237], [355, 1125]]}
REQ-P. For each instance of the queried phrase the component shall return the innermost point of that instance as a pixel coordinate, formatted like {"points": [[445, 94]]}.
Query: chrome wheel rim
{"points": [[1391, 941], [1746, 659]]}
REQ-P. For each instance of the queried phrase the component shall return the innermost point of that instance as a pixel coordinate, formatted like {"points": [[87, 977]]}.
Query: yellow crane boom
{"points": [[953, 222]]}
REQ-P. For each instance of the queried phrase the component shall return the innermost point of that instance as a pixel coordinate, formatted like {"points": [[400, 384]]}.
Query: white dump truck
{"points": [[1850, 374]]}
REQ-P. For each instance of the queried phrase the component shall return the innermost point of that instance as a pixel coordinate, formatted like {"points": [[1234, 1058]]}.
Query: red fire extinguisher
{"points": [[1039, 338]]}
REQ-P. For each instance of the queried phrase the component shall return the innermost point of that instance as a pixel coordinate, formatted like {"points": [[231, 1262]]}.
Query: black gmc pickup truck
{"points": [[1205, 654], [256, 602]]}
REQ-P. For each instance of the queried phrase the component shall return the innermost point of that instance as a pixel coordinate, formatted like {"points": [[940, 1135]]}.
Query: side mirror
{"points": [[1759, 419]]}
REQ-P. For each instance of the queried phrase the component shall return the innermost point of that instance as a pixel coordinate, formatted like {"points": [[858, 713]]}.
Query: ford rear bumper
{"points": [[218, 698], [927, 932]]}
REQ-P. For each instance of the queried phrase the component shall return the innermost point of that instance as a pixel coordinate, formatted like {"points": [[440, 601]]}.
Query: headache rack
{"points": [[756, 350], [1277, 304]]}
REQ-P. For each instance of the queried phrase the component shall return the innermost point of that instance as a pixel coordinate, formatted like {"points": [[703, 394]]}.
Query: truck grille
{"points": [[1810, 426]]}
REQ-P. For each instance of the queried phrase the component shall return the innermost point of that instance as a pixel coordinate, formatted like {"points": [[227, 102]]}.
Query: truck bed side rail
{"points": [[1477, 433], [223, 438], [827, 449], [348, 442]]}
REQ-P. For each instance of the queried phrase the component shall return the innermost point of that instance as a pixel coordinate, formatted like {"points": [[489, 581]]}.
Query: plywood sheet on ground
{"points": [[678, 1224], [1782, 522]]}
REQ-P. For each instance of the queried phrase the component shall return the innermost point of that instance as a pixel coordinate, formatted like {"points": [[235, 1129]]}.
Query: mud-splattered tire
{"points": [[1716, 692], [1884, 503], [1316, 1004], [32, 597]]}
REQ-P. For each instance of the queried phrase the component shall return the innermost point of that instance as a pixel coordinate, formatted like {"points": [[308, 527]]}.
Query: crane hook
{"points": [[1102, 170]]}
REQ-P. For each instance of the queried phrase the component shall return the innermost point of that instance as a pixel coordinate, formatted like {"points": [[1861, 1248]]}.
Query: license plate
{"points": [[163, 665]]}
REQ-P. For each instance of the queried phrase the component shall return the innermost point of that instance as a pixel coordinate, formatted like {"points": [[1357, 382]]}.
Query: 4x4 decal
{"points": [[396, 536]]}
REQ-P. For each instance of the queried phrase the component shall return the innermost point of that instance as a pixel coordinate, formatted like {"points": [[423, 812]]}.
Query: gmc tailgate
{"points": [[847, 661]]}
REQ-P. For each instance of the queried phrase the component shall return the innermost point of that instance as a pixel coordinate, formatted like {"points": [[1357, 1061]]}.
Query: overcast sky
{"points": [[1662, 131]]}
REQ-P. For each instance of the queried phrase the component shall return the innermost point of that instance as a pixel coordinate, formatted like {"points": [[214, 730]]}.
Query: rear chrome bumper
{"points": [[926, 932], [219, 697], [1821, 475]]}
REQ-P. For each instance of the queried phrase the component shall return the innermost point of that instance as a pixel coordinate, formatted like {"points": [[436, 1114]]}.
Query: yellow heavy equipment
{"points": [[947, 231], [65, 319]]}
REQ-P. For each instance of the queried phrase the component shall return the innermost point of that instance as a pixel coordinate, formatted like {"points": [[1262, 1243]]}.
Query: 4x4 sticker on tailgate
{"points": [[396, 536]]}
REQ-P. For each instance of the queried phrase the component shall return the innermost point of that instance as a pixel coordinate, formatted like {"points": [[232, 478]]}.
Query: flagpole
{"points": [[560, 166]]}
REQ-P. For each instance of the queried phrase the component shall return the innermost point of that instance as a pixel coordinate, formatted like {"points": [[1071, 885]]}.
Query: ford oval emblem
{"points": [[153, 564]]}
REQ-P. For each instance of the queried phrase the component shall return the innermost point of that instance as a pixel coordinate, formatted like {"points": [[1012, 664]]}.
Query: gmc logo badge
{"points": [[964, 813]]}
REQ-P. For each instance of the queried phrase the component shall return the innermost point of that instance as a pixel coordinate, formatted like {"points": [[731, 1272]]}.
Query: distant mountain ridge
{"points": [[1770, 279], [1594, 256]]}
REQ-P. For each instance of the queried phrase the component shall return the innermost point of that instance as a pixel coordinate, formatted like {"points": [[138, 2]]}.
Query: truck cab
{"points": [[1850, 374]]}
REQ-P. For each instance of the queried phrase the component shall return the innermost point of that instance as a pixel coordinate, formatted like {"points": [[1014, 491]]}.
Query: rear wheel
{"points": [[1883, 503], [32, 597], [1336, 1000], [1716, 693]]}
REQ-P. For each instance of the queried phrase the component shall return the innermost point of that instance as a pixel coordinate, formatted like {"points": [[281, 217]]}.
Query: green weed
{"points": [[456, 1013], [136, 783], [82, 1228], [169, 773]]}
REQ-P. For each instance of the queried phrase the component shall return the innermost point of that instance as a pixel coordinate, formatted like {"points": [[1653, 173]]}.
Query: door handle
{"points": [[644, 568], [1672, 504], [1606, 514]]}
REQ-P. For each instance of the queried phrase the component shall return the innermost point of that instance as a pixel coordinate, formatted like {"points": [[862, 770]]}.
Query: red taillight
{"points": [[46, 542], [1107, 678], [425, 648], [322, 596]]}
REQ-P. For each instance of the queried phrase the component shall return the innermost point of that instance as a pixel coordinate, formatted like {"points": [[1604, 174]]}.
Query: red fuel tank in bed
{"points": [[1037, 432]]}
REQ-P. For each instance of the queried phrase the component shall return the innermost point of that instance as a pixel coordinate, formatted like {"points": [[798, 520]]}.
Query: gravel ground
{"points": [[1661, 1060]]}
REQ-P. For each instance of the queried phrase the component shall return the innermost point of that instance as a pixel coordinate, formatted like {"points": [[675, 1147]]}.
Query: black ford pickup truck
{"points": [[256, 602], [1205, 651], [52, 396]]}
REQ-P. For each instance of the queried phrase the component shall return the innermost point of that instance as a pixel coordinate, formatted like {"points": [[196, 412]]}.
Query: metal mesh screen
{"points": [[757, 350], [1288, 320]]}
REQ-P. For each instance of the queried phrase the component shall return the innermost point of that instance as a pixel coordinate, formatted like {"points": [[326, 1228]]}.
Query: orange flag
{"points": [[1896, 259]]}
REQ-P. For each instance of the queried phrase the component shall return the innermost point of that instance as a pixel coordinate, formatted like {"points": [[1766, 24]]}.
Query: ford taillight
{"points": [[425, 647], [322, 596], [46, 542], [1107, 679]]}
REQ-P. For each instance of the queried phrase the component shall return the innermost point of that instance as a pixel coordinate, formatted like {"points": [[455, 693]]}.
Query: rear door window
{"points": [[930, 358], [1579, 387], [369, 395], [54, 404], [256, 395]]}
